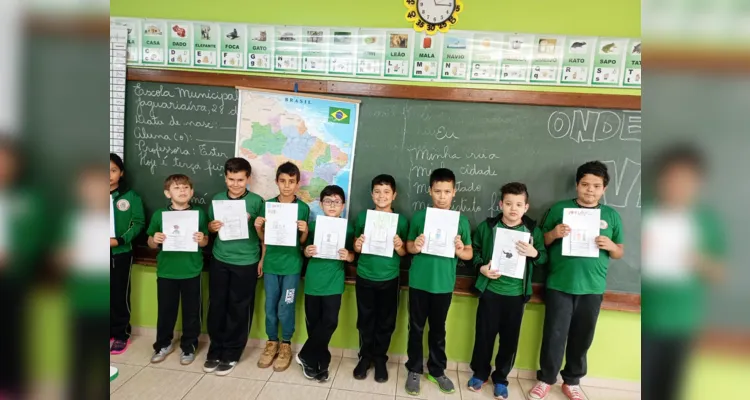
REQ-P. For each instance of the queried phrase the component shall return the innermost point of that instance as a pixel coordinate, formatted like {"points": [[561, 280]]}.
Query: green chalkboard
{"points": [[486, 145]]}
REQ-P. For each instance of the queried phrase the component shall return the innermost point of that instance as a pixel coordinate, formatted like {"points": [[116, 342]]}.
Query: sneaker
{"points": [[500, 392], [210, 366], [412, 383], [284, 359], [360, 371], [322, 376], [539, 391], [118, 347], [187, 358], [475, 384], [269, 353], [160, 355], [225, 368], [381, 372], [308, 371], [573, 392], [444, 383]]}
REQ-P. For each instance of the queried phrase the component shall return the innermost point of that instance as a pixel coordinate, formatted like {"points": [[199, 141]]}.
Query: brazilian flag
{"points": [[338, 115]]}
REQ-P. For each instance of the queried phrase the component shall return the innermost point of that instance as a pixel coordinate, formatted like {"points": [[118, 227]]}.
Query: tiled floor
{"points": [[140, 380]]}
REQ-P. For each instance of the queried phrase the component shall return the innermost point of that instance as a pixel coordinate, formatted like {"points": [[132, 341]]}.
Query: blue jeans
{"points": [[281, 293]]}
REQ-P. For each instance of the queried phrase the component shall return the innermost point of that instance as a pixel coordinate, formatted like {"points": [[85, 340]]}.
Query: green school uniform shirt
{"points": [[286, 260], [130, 219], [430, 273], [580, 275], [483, 243], [326, 277], [178, 264], [678, 307], [242, 251], [378, 268]]}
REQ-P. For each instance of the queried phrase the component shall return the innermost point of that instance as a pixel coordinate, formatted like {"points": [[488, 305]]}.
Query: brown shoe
{"points": [[284, 359], [269, 353]]}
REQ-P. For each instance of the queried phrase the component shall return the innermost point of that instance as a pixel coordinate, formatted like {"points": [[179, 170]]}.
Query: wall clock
{"points": [[433, 15]]}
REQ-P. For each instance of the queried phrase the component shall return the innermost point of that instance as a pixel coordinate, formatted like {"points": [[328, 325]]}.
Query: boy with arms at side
{"points": [[282, 268], [324, 285], [503, 298], [233, 276], [178, 276], [377, 285], [575, 285], [431, 283]]}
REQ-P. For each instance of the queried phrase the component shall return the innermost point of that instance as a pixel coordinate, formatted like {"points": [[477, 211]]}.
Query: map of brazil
{"points": [[317, 134]]}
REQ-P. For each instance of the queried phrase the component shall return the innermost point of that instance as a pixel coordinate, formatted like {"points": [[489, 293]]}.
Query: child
{"points": [[233, 276], [431, 283], [502, 299], [324, 285], [283, 265], [377, 286], [129, 220], [178, 276], [575, 285]]}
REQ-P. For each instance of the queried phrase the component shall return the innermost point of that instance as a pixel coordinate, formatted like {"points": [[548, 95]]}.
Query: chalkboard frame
{"points": [[620, 301]]}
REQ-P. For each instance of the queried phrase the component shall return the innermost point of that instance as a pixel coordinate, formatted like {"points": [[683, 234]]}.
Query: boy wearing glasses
{"points": [[324, 285]]}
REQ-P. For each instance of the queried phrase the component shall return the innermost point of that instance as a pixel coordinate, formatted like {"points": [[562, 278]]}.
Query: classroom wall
{"points": [[616, 349]]}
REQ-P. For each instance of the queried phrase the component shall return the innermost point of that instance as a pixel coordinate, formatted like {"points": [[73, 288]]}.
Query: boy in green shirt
{"points": [[377, 285], [324, 285], [233, 275], [283, 266], [178, 276], [431, 283], [502, 298], [129, 220], [575, 285]]}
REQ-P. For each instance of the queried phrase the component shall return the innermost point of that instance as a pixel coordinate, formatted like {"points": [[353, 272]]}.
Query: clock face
{"points": [[435, 11]]}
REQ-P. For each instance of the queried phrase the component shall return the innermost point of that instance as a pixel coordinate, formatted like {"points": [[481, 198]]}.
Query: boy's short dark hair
{"points": [[596, 168], [177, 179], [681, 154], [514, 188], [333, 190], [442, 175], [288, 168], [238, 164], [117, 160], [383, 179]]}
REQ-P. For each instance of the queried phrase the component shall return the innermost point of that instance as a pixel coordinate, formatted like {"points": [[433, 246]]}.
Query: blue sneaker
{"points": [[501, 391], [475, 384]]}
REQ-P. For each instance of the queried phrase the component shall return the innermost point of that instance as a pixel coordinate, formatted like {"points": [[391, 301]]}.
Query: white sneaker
{"points": [[160, 355]]}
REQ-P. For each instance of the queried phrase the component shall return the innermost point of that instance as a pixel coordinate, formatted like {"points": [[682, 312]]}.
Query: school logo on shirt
{"points": [[603, 224], [123, 205]]}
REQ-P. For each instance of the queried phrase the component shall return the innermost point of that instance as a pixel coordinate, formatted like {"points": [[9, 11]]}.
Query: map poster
{"points": [[318, 134]]}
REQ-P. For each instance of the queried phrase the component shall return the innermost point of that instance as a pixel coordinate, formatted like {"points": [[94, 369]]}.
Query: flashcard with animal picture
{"points": [[486, 51], [370, 52], [205, 44], [315, 50], [632, 76], [398, 53], [456, 56], [153, 42], [287, 49], [547, 55], [516, 58], [609, 62], [578, 55], [342, 51], [233, 40], [260, 48], [179, 48], [426, 56]]}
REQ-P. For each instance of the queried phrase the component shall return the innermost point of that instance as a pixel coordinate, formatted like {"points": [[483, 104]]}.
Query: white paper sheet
{"points": [[281, 224], [505, 257], [112, 233], [440, 230], [669, 241], [87, 255], [180, 226], [380, 229], [330, 236], [4, 225], [584, 228], [233, 214]]}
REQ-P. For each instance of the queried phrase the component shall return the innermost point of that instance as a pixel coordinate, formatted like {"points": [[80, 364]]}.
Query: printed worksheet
{"points": [[112, 233], [180, 226], [380, 229], [584, 228], [281, 224], [330, 236], [233, 214], [440, 230], [505, 257]]}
